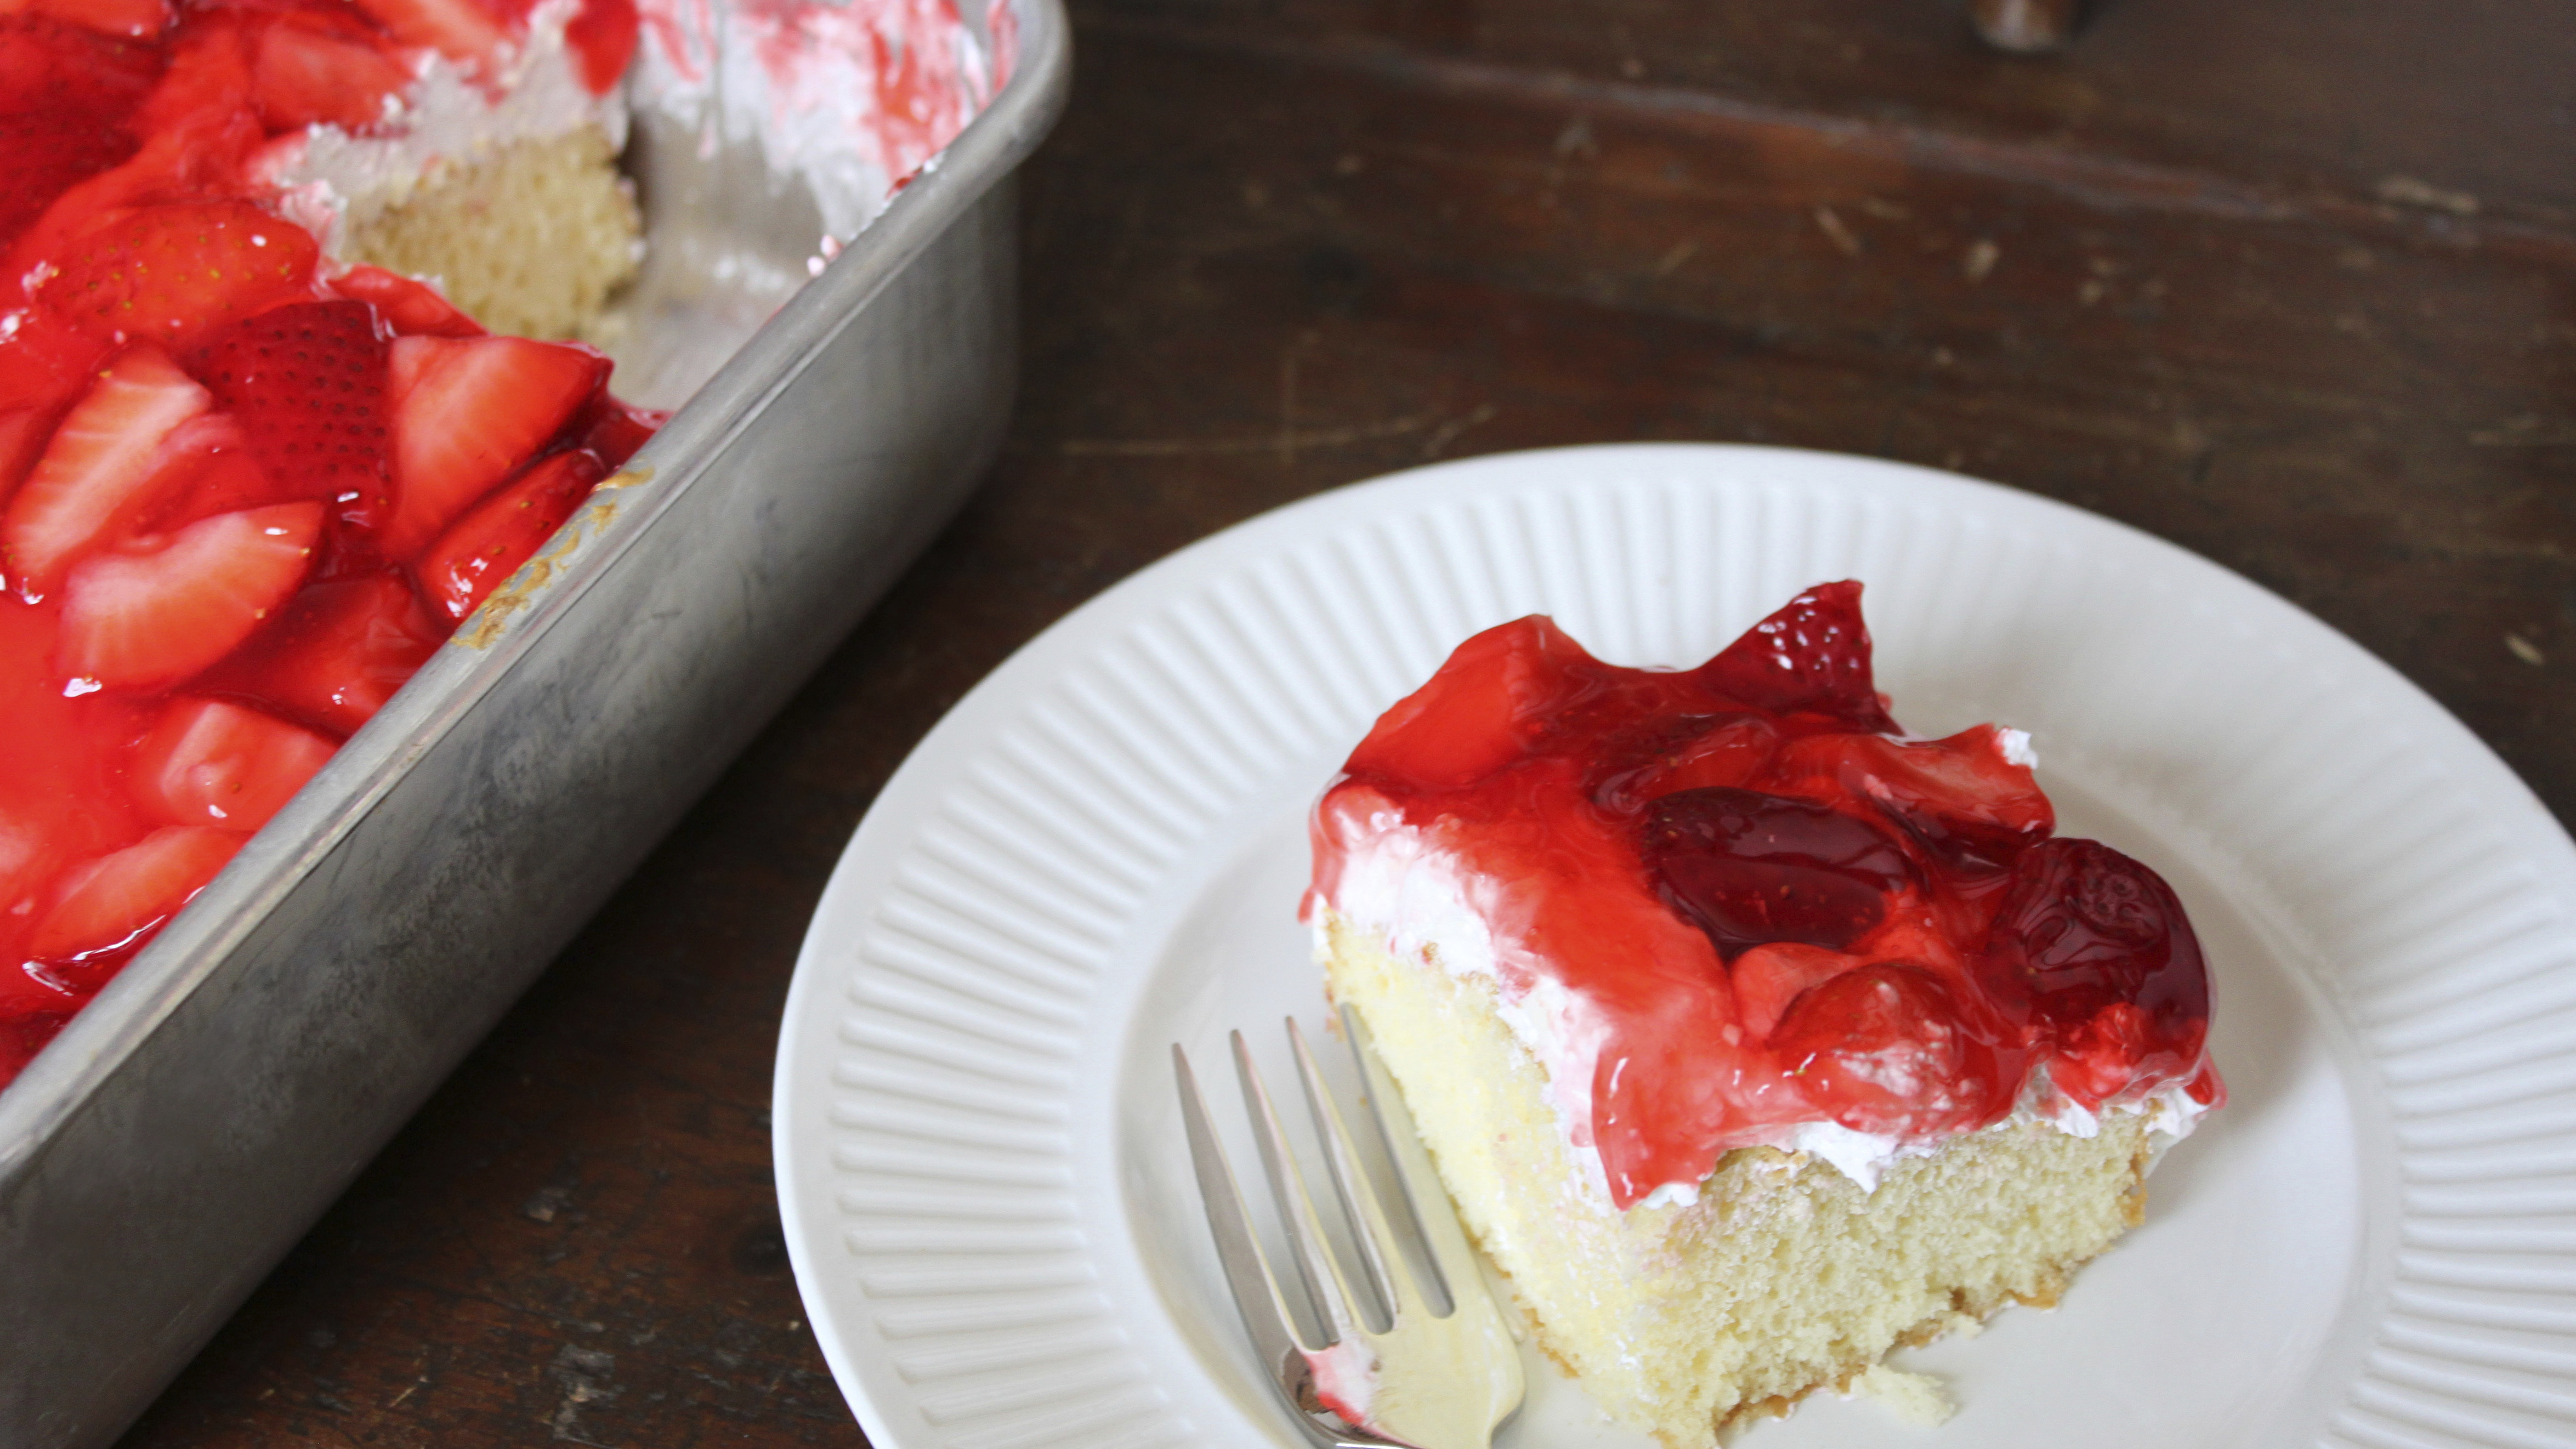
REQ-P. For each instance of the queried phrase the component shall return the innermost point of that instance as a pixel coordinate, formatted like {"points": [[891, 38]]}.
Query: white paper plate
{"points": [[1099, 852]]}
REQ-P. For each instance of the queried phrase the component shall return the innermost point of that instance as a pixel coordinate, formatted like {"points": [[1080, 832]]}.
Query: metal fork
{"points": [[1424, 1365]]}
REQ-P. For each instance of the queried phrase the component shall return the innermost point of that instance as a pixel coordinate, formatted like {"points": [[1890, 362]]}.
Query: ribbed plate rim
{"points": [[2448, 1270]]}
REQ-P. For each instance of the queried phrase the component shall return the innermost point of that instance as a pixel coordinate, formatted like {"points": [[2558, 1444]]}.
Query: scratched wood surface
{"points": [[2295, 289]]}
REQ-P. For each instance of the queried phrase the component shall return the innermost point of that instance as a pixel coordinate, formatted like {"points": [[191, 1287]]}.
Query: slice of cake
{"points": [[1752, 1036]]}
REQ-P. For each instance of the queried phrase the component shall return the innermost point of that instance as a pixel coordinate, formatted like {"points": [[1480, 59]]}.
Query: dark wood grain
{"points": [[2292, 286]]}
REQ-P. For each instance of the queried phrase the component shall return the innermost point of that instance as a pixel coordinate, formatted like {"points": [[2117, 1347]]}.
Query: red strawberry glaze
{"points": [[209, 574], [1757, 905]]}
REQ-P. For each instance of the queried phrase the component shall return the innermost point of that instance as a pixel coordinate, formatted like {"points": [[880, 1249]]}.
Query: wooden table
{"points": [[2291, 285]]}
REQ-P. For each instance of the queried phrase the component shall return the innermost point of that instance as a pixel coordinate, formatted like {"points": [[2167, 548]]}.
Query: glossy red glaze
{"points": [[201, 423], [1775, 907]]}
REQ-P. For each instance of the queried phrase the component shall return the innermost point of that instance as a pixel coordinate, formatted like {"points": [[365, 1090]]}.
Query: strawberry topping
{"points": [[212, 762], [1777, 908], [96, 473], [469, 412], [411, 308], [125, 19], [244, 493], [461, 30], [301, 77], [102, 910], [489, 543], [23, 435], [340, 651], [164, 607], [65, 97]]}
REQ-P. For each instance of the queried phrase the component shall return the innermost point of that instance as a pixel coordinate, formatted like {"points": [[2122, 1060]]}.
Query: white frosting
{"points": [[802, 82], [447, 118], [1396, 882]]}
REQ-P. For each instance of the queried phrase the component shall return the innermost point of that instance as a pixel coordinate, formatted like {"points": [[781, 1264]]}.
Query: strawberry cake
{"points": [[1753, 1036], [276, 408]]}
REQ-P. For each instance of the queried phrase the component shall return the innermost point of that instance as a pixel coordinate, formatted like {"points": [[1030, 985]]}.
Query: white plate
{"points": [[1099, 852]]}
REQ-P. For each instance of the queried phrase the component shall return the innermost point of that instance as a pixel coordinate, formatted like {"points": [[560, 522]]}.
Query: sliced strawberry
{"points": [[474, 412], [406, 364], [497, 535], [307, 381], [23, 435], [458, 29], [338, 653], [129, 19], [43, 152], [23, 861], [44, 361], [1812, 656], [108, 905], [95, 474], [209, 469], [1884, 1048], [226, 482], [614, 430], [47, 66], [167, 607], [412, 309], [169, 273], [603, 35], [62, 760], [207, 86], [301, 77], [1768, 978], [210, 762], [197, 129], [2085, 928]]}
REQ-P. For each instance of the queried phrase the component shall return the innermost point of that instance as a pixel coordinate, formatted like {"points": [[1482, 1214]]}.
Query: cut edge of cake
{"points": [[531, 238], [1784, 1277], [499, 188]]}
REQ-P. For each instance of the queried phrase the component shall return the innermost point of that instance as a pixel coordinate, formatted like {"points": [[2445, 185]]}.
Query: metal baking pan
{"points": [[169, 1147]]}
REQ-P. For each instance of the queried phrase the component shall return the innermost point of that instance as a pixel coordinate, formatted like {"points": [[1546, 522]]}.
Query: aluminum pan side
{"points": [[179, 1135]]}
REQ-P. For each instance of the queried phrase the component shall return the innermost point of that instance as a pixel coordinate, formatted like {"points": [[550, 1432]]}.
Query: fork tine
{"points": [[1247, 1273], [1325, 1286], [1431, 1378], [1453, 1262], [1360, 1204]]}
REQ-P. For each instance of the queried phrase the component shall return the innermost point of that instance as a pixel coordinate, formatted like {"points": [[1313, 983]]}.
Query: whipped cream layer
{"points": [[1427, 903], [452, 115], [854, 99]]}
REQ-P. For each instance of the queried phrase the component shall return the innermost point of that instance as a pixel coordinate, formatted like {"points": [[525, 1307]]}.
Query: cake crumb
{"points": [[1916, 1399]]}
